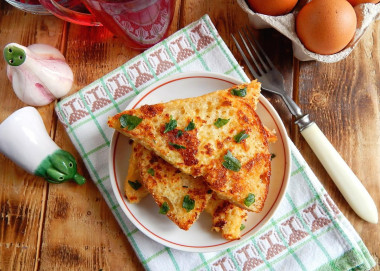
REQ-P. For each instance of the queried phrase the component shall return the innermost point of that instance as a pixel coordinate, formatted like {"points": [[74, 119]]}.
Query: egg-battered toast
{"points": [[218, 136], [227, 218], [181, 197], [133, 189]]}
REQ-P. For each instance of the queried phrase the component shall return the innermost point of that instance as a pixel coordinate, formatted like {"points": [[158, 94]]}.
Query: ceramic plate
{"points": [[145, 215]]}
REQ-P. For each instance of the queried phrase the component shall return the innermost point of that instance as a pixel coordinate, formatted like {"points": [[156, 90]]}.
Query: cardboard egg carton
{"points": [[285, 24]]}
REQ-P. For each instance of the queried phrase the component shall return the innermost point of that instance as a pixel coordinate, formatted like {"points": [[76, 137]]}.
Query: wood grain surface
{"points": [[70, 227]]}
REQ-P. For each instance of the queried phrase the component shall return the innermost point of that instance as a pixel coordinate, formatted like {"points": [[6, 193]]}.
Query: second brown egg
{"points": [[326, 26]]}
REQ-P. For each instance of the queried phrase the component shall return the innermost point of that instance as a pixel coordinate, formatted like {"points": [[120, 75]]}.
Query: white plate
{"points": [[145, 215]]}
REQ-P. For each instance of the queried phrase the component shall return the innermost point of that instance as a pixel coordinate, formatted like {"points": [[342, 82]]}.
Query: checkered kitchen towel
{"points": [[307, 232]]}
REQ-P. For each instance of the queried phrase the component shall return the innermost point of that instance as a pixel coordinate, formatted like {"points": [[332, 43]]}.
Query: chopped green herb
{"points": [[190, 126], [249, 200], [164, 209], [209, 191], [221, 122], [230, 162], [171, 125], [151, 171], [185, 186], [240, 136], [129, 121], [179, 134], [272, 156], [177, 146], [242, 227], [239, 92], [135, 185], [188, 203]]}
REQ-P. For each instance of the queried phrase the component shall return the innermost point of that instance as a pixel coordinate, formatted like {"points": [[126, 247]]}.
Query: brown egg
{"points": [[326, 26], [357, 2], [272, 7]]}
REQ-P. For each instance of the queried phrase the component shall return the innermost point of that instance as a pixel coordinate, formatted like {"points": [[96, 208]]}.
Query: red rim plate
{"points": [[222, 245]]}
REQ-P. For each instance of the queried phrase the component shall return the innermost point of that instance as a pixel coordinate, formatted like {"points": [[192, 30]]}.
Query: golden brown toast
{"points": [[133, 189], [227, 218], [185, 197], [271, 135], [207, 136]]}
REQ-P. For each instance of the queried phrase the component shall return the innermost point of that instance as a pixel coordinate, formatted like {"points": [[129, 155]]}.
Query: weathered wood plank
{"points": [[80, 230], [343, 99], [22, 196]]}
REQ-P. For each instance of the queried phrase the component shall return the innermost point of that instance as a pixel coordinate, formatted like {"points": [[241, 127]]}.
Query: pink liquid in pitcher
{"points": [[141, 23], [30, 2]]}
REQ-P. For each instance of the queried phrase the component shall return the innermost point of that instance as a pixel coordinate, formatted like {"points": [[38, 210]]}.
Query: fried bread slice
{"points": [[181, 197], [271, 135], [133, 189], [135, 192], [227, 218], [218, 136]]}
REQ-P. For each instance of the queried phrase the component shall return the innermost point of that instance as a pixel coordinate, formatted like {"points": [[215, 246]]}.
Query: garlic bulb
{"points": [[39, 73]]}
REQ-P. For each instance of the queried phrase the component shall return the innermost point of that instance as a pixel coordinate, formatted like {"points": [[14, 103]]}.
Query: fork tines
{"points": [[261, 63]]}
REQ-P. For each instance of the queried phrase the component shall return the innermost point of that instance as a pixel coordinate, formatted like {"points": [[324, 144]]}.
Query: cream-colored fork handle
{"points": [[349, 185]]}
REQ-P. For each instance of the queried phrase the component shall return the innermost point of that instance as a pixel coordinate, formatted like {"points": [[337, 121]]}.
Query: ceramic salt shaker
{"points": [[39, 73], [24, 140]]}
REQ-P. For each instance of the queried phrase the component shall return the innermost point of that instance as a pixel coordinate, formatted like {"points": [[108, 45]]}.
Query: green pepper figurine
{"points": [[24, 140], [59, 167]]}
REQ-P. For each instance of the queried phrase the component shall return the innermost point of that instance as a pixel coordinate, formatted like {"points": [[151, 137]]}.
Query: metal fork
{"points": [[272, 81]]}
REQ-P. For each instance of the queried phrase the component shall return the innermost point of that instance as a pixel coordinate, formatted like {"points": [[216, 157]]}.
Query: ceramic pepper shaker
{"points": [[24, 140], [39, 73]]}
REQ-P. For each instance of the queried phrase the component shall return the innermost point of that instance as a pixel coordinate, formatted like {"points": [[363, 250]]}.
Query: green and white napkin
{"points": [[307, 232]]}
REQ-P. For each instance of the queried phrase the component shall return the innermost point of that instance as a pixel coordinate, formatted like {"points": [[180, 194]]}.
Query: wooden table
{"points": [[61, 227]]}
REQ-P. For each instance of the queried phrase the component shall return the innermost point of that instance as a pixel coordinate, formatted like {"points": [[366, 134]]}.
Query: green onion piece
{"points": [[249, 200], [179, 134], [240, 136], [188, 203], [151, 171], [242, 227], [171, 125], [272, 156], [164, 209], [177, 146], [190, 126], [239, 92], [135, 185], [130, 122], [221, 122], [230, 162]]}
